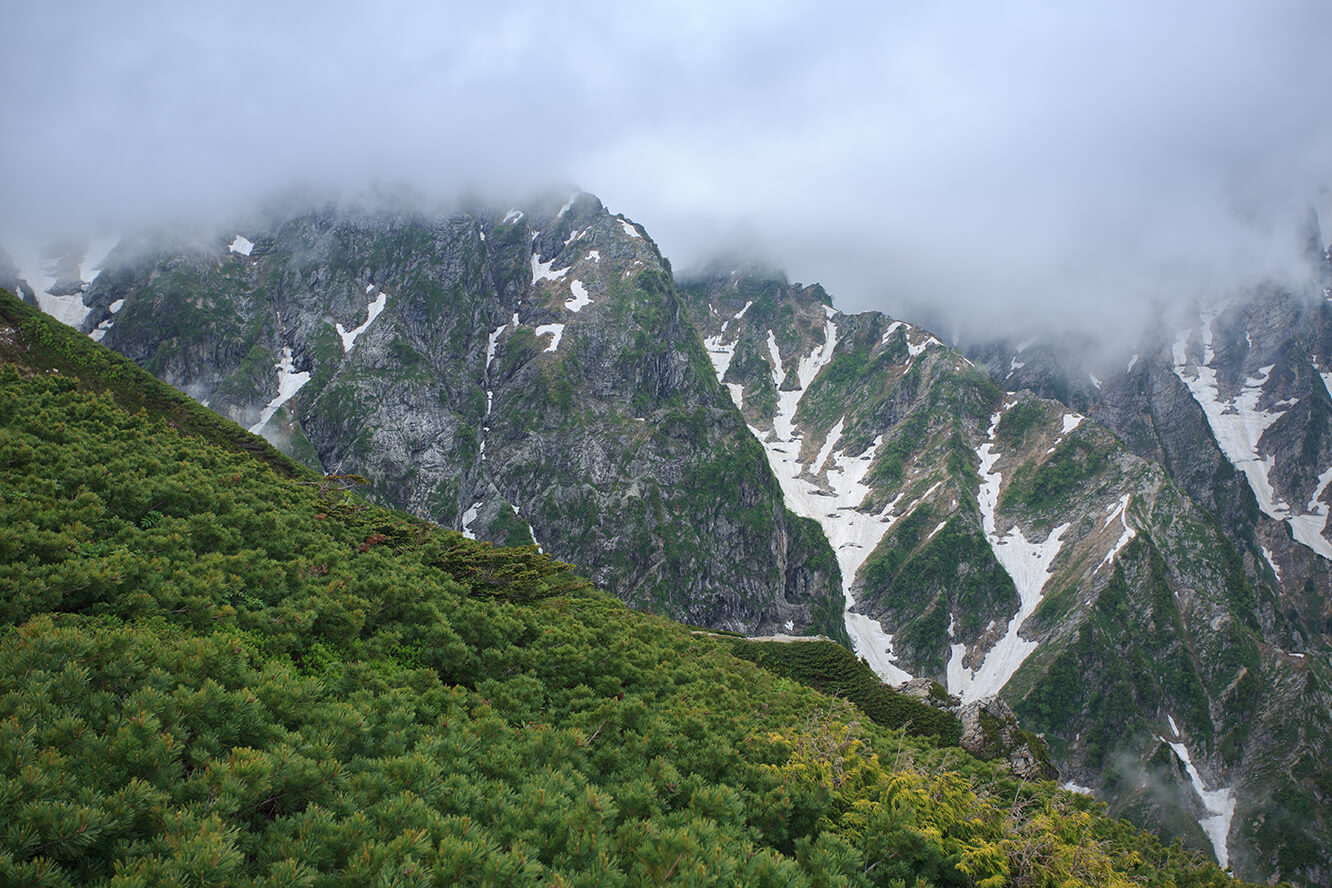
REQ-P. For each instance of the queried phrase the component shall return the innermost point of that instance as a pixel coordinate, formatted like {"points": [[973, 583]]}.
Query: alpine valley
{"points": [[1126, 556]]}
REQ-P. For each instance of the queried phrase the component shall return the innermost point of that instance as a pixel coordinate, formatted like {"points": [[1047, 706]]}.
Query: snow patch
{"points": [[777, 372], [1094, 381], [556, 332], [372, 312], [1071, 422], [530, 532], [919, 348], [1133, 362], [836, 504], [829, 443], [40, 273], [1238, 426], [69, 310], [289, 383], [737, 394], [492, 341], [720, 354], [567, 204], [1118, 510], [469, 518], [1030, 566], [1218, 803], [1267, 553], [102, 329], [594, 255], [240, 245], [1015, 365], [580, 299], [629, 228], [541, 270], [816, 360], [512, 216], [1308, 529]]}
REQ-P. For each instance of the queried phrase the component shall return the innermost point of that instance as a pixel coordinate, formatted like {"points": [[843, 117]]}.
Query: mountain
{"points": [[731, 450], [522, 377], [216, 668], [1005, 543]]}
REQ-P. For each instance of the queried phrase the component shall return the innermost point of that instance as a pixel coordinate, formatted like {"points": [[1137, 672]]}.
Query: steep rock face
{"points": [[1234, 404], [817, 388], [1008, 544], [526, 378]]}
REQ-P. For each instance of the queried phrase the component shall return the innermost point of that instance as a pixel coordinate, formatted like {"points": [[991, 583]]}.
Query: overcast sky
{"points": [[997, 158]]}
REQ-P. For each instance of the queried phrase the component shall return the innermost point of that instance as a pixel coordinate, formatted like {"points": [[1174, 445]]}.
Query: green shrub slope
{"points": [[218, 671]]}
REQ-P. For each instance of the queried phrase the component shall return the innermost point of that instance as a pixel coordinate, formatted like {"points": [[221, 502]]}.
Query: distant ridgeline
{"points": [[217, 668], [1113, 567]]}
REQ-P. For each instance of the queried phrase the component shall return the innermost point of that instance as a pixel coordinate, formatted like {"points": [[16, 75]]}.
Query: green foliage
{"points": [[925, 578], [217, 670], [1049, 485], [244, 383], [835, 671], [509, 529], [851, 368], [1018, 421], [42, 344], [913, 826]]}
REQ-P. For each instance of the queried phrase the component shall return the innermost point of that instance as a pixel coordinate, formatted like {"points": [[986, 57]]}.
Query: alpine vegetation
{"points": [[218, 667], [1112, 571]]}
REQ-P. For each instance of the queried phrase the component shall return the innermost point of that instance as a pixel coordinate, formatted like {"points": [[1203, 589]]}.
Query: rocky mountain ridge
{"points": [[522, 377], [1008, 544]]}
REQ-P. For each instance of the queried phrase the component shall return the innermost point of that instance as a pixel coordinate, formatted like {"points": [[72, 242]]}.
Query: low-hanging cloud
{"points": [[998, 162]]}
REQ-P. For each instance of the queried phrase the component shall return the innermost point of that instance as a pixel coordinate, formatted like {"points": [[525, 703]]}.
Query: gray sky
{"points": [[999, 158]]}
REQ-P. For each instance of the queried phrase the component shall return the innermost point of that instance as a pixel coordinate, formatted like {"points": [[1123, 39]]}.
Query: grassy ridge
{"points": [[215, 670], [833, 670], [42, 344]]}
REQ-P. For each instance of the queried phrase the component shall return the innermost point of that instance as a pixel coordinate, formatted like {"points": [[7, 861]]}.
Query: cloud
{"points": [[997, 161]]}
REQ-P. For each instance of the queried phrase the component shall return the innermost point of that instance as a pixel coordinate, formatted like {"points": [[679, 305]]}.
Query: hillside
{"points": [[218, 673], [1003, 543], [732, 451]]}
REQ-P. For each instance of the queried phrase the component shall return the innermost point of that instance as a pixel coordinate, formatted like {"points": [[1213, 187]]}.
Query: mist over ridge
{"points": [[1001, 167]]}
